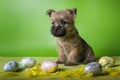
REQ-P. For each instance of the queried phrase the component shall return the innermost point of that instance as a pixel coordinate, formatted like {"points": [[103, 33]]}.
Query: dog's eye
{"points": [[63, 22], [53, 23]]}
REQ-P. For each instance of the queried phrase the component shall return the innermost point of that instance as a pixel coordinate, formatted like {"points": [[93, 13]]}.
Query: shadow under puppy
{"points": [[72, 49]]}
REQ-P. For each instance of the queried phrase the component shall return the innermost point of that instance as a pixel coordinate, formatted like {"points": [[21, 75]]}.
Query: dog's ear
{"points": [[49, 12], [72, 12]]}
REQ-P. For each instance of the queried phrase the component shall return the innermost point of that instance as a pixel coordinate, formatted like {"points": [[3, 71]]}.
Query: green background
{"points": [[25, 28]]}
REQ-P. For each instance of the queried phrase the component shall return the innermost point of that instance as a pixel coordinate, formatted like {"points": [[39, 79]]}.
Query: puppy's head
{"points": [[62, 21]]}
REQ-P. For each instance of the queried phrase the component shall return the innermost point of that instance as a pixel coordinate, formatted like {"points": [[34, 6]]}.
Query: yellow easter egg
{"points": [[106, 61]]}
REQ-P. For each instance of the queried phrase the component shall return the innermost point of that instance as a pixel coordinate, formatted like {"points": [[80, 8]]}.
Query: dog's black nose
{"points": [[58, 31], [57, 28]]}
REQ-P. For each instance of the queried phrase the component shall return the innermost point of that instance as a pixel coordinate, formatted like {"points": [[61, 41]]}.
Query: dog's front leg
{"points": [[73, 58], [61, 55]]}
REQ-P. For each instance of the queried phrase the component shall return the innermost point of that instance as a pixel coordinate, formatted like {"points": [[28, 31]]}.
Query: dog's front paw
{"points": [[70, 64], [60, 62]]}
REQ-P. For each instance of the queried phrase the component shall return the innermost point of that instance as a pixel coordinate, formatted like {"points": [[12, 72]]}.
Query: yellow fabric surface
{"points": [[21, 76]]}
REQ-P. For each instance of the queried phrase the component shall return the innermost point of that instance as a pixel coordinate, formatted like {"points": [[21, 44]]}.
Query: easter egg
{"points": [[27, 62], [93, 67], [11, 66], [106, 61], [49, 66]]}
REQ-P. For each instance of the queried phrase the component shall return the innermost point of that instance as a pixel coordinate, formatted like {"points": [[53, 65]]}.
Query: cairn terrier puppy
{"points": [[72, 49]]}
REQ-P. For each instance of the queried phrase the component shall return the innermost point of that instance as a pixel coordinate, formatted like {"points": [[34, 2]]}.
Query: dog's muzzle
{"points": [[58, 31]]}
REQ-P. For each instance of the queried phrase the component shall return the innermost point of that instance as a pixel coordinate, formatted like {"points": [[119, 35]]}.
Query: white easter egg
{"points": [[49, 66], [27, 62]]}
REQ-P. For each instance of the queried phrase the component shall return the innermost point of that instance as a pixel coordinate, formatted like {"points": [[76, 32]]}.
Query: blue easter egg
{"points": [[11, 66], [93, 67]]}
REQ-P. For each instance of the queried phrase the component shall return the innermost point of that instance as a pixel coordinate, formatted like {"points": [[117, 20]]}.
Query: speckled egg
{"points": [[93, 67], [27, 62], [49, 66], [106, 61], [11, 66]]}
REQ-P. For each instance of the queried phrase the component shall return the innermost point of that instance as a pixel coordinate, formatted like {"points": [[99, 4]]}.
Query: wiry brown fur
{"points": [[72, 49]]}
